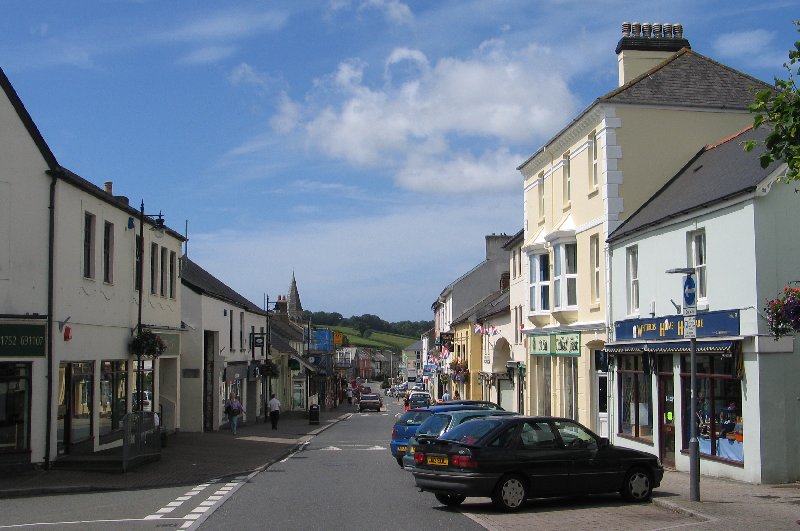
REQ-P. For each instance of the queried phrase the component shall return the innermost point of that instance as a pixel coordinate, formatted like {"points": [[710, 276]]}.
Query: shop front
{"points": [[554, 364], [652, 395]]}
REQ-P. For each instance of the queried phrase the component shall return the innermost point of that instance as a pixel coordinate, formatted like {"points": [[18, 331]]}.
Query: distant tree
{"points": [[780, 109]]}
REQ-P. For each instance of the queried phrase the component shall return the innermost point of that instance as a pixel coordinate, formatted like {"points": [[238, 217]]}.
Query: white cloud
{"points": [[208, 55], [244, 74], [754, 47], [227, 26], [493, 97], [394, 10]]}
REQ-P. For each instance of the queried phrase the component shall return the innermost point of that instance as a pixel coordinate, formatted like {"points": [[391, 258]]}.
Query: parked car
{"points": [[404, 428], [511, 459], [147, 401], [444, 419], [484, 403], [370, 401], [419, 400]]}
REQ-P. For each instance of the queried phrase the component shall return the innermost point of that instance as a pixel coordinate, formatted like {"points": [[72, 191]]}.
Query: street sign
{"points": [[689, 327], [689, 296]]}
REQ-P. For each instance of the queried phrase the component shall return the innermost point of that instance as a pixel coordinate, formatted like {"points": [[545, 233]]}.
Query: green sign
{"points": [[22, 340], [567, 344]]}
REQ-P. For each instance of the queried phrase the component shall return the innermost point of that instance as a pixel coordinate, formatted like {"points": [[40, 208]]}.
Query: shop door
{"points": [[602, 403], [209, 381], [505, 392], [666, 401]]}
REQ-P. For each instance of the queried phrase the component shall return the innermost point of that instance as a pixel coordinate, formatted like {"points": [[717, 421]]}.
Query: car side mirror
{"points": [[603, 442]]}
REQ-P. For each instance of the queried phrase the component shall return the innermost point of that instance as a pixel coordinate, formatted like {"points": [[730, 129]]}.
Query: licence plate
{"points": [[439, 461], [401, 448]]}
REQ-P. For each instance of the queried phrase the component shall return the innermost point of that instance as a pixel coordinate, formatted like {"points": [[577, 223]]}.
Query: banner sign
{"points": [[708, 324], [563, 344]]}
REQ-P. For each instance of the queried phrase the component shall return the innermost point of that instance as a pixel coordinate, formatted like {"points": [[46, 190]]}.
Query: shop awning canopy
{"points": [[705, 347]]}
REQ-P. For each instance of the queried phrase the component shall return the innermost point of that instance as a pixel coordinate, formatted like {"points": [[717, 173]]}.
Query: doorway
{"points": [[75, 405], [666, 403]]}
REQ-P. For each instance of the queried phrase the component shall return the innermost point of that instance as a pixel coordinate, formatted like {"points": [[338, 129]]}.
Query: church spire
{"points": [[295, 309]]}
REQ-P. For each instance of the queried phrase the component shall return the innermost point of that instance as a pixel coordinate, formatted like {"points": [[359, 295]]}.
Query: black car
{"points": [[512, 459]]}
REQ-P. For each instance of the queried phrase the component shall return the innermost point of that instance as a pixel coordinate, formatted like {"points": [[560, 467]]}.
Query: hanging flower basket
{"points": [[269, 368], [147, 344], [459, 370], [783, 313], [444, 378]]}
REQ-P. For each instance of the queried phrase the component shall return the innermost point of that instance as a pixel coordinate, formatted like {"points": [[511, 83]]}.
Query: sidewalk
{"points": [[732, 505], [188, 459]]}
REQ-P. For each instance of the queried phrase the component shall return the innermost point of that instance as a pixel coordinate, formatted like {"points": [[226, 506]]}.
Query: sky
{"points": [[366, 147]]}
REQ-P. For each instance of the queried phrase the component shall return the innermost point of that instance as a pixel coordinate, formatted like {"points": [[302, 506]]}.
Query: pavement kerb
{"points": [[683, 510]]}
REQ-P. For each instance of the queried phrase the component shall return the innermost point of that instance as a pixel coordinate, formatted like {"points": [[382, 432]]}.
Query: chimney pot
{"points": [[647, 30], [636, 29], [658, 31], [109, 187], [678, 29], [626, 29]]}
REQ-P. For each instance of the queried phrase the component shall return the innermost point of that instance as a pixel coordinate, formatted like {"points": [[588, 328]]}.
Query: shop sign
{"points": [[707, 324], [22, 340], [564, 344], [428, 369]]}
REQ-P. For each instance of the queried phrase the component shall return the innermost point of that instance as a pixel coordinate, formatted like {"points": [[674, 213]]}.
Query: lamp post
{"points": [[158, 230], [690, 332]]}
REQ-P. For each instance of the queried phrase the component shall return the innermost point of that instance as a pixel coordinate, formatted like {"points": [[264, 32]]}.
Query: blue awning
{"points": [[659, 347]]}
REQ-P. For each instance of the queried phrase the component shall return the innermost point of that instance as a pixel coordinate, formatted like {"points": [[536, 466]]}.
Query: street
{"points": [[342, 478]]}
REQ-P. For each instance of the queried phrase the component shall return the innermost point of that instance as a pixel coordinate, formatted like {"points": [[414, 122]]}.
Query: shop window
{"points": [[636, 397], [143, 380], [569, 386], [113, 402], [720, 421], [15, 399], [543, 385]]}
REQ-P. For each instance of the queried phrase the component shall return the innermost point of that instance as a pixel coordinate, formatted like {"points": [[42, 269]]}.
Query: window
{"points": [[569, 386], [108, 253], [636, 402], [113, 395], [241, 330], [230, 330], [541, 195], [565, 275], [593, 177], [567, 184], [153, 268], [633, 279], [543, 385], [698, 250], [573, 435], [594, 260], [540, 283], [173, 272], [139, 263], [536, 436], [719, 405], [88, 245], [164, 267], [15, 416]]}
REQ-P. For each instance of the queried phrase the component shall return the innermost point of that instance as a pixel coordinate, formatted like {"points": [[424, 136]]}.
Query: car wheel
{"points": [[510, 493], [451, 500], [638, 486]]}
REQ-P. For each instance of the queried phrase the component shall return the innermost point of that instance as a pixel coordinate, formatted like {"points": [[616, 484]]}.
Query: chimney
{"points": [[282, 306], [109, 187], [644, 45], [505, 281]]}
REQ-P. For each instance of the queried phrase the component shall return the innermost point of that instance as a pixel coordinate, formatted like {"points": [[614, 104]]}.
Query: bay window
{"points": [[540, 283], [565, 275]]}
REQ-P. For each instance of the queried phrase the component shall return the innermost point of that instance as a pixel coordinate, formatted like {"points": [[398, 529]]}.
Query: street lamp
{"points": [[158, 231], [690, 331]]}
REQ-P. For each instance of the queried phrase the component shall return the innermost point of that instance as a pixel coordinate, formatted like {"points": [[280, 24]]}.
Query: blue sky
{"points": [[367, 146]]}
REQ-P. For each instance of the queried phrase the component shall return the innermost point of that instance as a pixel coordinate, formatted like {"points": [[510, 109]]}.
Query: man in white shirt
{"points": [[274, 406]]}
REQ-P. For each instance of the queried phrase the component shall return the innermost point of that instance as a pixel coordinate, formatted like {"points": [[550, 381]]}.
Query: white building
{"points": [[70, 303], [725, 218]]}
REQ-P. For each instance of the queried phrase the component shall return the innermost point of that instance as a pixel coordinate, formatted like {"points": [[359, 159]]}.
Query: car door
{"points": [[592, 467], [543, 459]]}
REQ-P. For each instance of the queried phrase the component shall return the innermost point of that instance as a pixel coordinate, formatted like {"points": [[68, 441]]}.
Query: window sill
{"points": [[566, 206], [739, 464], [595, 306], [648, 442], [593, 192]]}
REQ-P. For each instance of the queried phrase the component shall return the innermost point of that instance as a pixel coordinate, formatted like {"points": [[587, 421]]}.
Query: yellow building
{"points": [[589, 178]]}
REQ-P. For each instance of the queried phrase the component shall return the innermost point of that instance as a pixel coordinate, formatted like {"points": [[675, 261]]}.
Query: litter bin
{"points": [[313, 414]]}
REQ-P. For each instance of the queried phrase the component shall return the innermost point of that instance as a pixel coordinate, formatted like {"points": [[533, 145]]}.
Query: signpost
{"points": [[690, 332]]}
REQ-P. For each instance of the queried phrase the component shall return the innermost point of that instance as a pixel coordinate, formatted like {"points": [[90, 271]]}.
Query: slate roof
{"points": [[717, 173], [497, 305], [686, 79], [201, 281], [689, 79], [515, 239]]}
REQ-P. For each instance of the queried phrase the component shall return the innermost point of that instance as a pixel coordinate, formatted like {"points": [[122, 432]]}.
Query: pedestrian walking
{"points": [[274, 406], [456, 396], [349, 395], [446, 396], [233, 408]]}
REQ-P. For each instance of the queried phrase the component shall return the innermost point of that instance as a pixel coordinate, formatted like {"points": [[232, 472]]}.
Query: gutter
{"points": [[50, 305]]}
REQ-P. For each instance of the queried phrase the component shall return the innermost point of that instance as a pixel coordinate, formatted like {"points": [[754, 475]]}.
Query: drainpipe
{"points": [[50, 304]]}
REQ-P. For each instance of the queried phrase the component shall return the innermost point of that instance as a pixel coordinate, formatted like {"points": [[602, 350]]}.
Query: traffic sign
{"points": [[689, 296], [689, 327]]}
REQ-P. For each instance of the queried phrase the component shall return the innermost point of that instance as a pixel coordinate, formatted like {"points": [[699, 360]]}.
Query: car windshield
{"points": [[470, 432], [414, 418], [434, 425], [369, 397]]}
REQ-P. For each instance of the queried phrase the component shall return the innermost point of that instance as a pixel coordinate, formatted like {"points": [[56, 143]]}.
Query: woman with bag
{"points": [[233, 408]]}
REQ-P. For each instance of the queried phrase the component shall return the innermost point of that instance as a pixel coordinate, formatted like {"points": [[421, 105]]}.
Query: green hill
{"points": [[376, 340]]}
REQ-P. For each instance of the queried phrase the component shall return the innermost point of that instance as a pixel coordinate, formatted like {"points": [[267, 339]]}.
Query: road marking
{"points": [[277, 440]]}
